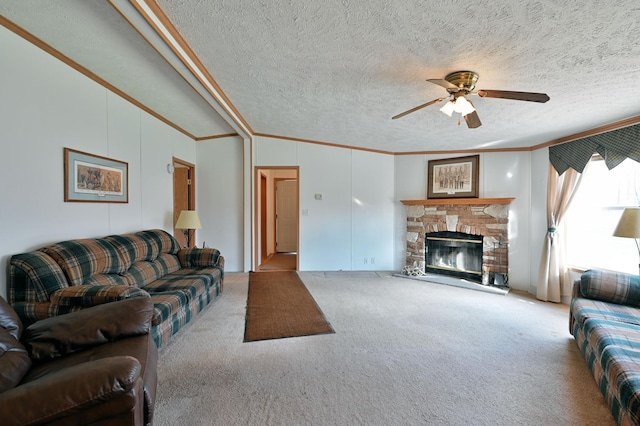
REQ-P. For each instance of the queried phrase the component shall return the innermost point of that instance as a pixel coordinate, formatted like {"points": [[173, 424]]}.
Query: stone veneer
{"points": [[488, 217]]}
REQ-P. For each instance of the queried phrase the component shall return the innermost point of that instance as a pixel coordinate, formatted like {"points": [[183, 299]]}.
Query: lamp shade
{"points": [[188, 219], [448, 108], [629, 224], [463, 106]]}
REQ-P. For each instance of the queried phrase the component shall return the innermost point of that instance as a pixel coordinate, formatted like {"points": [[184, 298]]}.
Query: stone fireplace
{"points": [[484, 218]]}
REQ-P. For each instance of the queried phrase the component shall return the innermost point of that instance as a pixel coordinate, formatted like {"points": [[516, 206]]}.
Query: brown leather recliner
{"points": [[94, 366]]}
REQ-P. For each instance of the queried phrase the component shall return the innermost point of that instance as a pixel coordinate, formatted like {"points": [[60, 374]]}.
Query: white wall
{"points": [[219, 198], [354, 219], [502, 175], [373, 207], [46, 106]]}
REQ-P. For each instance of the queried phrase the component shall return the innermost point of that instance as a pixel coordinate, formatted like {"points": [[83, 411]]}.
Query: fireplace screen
{"points": [[454, 253]]}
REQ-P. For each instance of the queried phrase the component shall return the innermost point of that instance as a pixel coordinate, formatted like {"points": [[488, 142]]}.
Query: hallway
{"points": [[280, 262]]}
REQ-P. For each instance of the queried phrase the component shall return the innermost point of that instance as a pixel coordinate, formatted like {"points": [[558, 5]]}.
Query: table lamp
{"points": [[629, 226], [188, 220]]}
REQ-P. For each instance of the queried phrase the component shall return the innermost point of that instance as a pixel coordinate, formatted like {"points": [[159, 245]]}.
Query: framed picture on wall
{"points": [[453, 177], [95, 179]]}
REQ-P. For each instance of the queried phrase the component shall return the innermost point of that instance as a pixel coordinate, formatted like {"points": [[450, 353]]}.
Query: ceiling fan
{"points": [[459, 84]]}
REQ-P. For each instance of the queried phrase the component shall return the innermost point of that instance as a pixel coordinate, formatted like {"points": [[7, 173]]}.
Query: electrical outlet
{"points": [[373, 260], [365, 260]]}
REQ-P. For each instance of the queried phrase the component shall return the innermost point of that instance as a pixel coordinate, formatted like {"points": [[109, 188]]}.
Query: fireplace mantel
{"points": [[466, 201]]}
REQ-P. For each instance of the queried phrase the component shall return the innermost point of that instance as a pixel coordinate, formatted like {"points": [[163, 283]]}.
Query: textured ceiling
{"points": [[337, 71]]}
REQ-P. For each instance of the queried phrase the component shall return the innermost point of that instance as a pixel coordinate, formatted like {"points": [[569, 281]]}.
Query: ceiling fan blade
{"points": [[419, 107], [443, 83], [472, 119], [518, 96]]}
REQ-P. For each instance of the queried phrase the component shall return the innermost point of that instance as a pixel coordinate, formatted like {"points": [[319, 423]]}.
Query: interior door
{"points": [[286, 216], [183, 198]]}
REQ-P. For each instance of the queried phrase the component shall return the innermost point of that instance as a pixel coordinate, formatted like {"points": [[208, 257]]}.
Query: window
{"points": [[594, 213]]}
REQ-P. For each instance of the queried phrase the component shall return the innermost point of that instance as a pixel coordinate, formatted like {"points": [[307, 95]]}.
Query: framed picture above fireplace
{"points": [[453, 177]]}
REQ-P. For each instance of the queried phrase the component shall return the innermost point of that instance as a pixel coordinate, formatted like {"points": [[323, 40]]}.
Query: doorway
{"points": [[184, 197], [277, 218]]}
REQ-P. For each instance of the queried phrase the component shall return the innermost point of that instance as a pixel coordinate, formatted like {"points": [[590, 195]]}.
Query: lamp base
{"points": [[187, 235]]}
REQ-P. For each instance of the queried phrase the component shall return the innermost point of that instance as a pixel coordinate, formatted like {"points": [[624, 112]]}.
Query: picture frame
{"points": [[453, 177], [94, 179]]}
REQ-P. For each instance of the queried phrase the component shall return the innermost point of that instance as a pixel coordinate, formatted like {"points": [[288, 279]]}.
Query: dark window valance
{"points": [[614, 146]]}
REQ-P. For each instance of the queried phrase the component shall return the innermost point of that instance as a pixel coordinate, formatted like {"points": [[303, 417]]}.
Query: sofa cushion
{"points": [[38, 274], [98, 392], [144, 245], [14, 361], [601, 333], [621, 367], [608, 286], [167, 304], [192, 285], [81, 259], [106, 279], [9, 320], [90, 295], [583, 309], [142, 273], [142, 348], [160, 241], [212, 274], [198, 257], [65, 334]]}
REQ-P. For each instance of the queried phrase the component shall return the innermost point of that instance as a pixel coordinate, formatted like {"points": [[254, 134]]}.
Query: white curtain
{"points": [[554, 274]]}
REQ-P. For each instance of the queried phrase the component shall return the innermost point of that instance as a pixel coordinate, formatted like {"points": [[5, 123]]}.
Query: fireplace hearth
{"points": [[454, 253]]}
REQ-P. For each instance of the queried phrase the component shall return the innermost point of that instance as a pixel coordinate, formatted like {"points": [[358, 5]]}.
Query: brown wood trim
{"points": [[226, 135], [263, 218], [159, 13], [288, 138], [471, 201], [82, 70], [177, 160], [597, 130], [465, 151]]}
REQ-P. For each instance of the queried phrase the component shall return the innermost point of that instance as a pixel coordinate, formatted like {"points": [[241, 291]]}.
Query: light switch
{"points": [[318, 196]]}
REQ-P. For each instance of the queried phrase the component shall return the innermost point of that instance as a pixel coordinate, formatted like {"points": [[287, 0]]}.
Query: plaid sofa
{"points": [[605, 322], [72, 275]]}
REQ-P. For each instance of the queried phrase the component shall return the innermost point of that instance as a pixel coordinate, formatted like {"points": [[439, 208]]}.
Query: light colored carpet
{"points": [[405, 352]]}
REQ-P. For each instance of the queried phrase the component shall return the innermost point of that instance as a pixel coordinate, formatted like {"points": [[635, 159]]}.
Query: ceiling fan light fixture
{"points": [[463, 106], [448, 108]]}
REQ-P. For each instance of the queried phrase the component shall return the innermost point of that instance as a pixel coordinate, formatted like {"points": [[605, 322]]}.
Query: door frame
{"points": [[263, 218], [178, 163], [257, 210]]}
